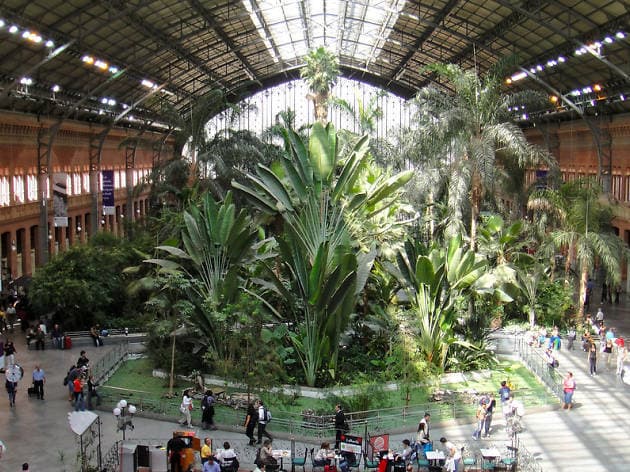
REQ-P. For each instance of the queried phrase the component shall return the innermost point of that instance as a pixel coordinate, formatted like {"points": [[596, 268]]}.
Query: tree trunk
{"points": [[475, 204], [532, 317], [583, 282], [172, 376]]}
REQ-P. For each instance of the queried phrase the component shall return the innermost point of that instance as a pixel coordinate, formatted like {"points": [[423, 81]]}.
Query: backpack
{"points": [[266, 415], [555, 363]]}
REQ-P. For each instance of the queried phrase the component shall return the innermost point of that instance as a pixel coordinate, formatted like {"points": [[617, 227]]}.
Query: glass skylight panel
{"points": [[353, 29]]}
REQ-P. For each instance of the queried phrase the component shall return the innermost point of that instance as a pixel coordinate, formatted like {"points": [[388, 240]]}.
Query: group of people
{"points": [[224, 460], [612, 348], [7, 348], [82, 388]]}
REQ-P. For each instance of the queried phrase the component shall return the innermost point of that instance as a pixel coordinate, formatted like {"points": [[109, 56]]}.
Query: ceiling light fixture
{"points": [[13, 29]]}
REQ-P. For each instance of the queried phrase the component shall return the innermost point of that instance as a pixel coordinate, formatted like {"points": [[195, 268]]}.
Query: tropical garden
{"points": [[311, 256]]}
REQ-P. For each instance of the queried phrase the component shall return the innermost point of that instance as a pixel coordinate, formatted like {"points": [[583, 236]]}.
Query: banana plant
{"points": [[322, 269]]}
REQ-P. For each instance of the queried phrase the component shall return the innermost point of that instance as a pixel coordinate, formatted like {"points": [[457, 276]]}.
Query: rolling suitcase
{"points": [[67, 342]]}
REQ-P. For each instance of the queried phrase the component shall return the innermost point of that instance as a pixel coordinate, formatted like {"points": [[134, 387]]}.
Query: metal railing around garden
{"points": [[109, 363], [391, 420], [533, 357], [314, 427]]}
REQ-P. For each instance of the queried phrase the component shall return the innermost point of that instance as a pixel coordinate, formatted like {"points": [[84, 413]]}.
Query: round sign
{"points": [[13, 373]]}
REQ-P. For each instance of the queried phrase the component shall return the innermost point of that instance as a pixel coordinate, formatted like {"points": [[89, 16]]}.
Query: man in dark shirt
{"points": [[174, 448], [341, 426], [83, 360]]}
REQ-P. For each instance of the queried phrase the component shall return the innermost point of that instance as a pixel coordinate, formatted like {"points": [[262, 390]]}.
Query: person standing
{"points": [[251, 418], [11, 316], [11, 391], [422, 435], [568, 387], [40, 340], [174, 448], [83, 361], [185, 408], [92, 393], [39, 379], [453, 456], [599, 317], [77, 392], [206, 450], [341, 425], [487, 425], [264, 417], [57, 336], [480, 415], [592, 359]]}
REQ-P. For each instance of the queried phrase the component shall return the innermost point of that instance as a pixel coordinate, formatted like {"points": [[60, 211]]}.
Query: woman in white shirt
{"points": [[226, 456], [323, 455], [186, 407]]}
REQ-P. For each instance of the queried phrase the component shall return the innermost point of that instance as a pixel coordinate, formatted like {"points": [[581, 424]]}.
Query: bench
{"points": [[84, 338]]}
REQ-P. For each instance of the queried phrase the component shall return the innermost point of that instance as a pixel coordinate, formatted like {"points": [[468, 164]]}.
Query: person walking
{"points": [[622, 353], [39, 379], [251, 418], [9, 353], [11, 391], [607, 352], [599, 317], [592, 359], [185, 408], [571, 336], [207, 416], [264, 417], [568, 387], [341, 425]]}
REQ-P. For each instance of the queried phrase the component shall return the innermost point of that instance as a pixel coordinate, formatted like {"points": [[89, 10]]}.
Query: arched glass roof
{"points": [[106, 60]]}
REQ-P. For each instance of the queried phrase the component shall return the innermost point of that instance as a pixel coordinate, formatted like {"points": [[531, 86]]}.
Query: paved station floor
{"points": [[593, 437]]}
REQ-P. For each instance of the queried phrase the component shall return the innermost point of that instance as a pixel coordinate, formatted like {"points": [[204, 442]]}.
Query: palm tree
{"points": [[579, 225], [320, 73], [468, 128], [364, 115]]}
